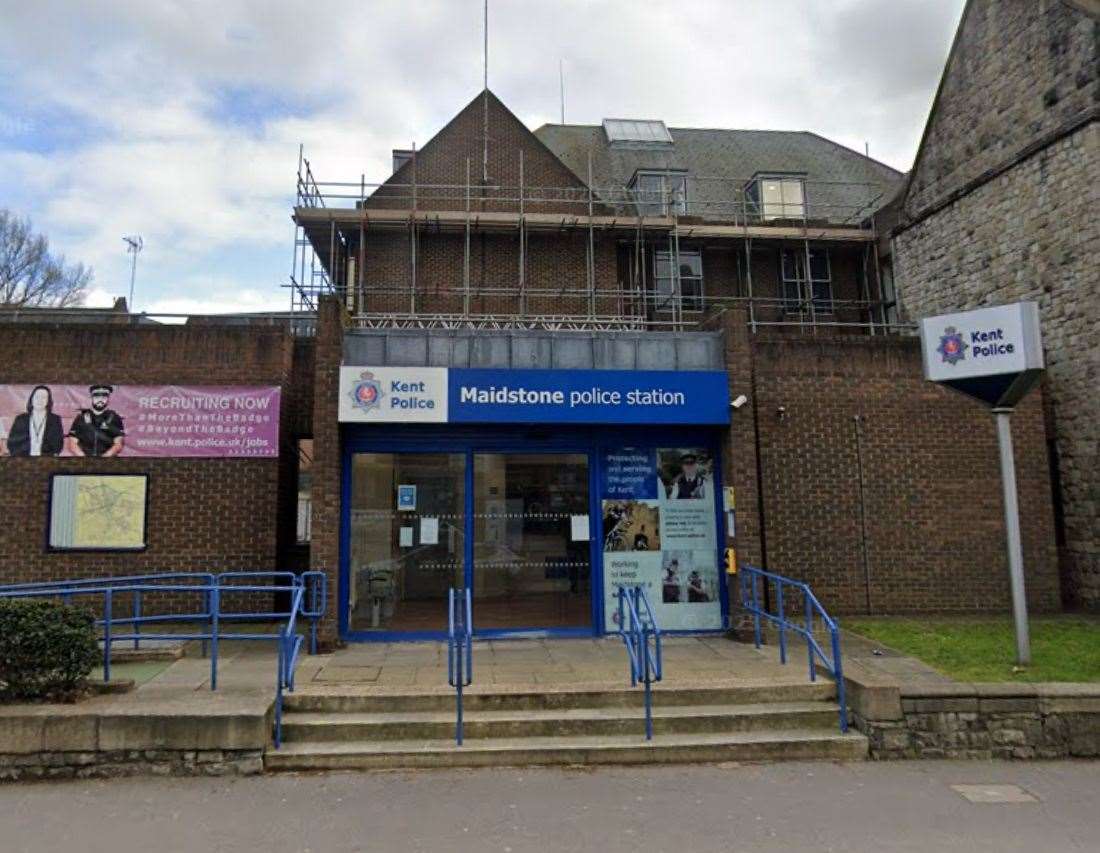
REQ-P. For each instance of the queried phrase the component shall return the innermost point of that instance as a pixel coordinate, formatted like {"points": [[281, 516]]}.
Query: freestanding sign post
{"points": [[993, 355]]}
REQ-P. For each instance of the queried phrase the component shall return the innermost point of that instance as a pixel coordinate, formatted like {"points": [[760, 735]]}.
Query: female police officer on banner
{"points": [[38, 431]]}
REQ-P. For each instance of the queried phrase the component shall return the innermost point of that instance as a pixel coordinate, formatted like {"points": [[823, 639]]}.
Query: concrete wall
{"points": [[1002, 207]]}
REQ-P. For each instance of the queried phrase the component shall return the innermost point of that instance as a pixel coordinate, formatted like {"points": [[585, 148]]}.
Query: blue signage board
{"points": [[587, 396]]}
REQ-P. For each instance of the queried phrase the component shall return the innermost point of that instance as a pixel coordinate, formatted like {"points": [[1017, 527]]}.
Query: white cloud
{"points": [[181, 122]]}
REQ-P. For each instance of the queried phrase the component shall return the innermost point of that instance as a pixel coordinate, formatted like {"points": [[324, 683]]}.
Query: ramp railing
{"points": [[308, 596], [753, 583], [641, 635], [460, 656]]}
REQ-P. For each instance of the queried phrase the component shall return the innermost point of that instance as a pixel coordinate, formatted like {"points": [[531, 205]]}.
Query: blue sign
{"points": [[588, 396], [630, 473]]}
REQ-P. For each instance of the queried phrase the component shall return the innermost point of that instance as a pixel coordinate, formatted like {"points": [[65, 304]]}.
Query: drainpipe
{"points": [[856, 420]]}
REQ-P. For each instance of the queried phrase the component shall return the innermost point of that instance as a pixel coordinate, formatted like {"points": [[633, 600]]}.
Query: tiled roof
{"points": [[840, 181]]}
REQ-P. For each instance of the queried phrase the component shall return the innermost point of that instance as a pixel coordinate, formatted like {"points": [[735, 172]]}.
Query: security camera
{"points": [[739, 401]]}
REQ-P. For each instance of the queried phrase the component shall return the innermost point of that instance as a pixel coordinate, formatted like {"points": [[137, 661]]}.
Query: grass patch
{"points": [[1063, 648]]}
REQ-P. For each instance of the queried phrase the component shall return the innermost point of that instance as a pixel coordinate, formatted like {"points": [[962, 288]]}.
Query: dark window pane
{"points": [[819, 266]]}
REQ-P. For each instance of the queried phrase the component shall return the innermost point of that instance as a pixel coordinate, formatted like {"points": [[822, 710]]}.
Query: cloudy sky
{"points": [[181, 121]]}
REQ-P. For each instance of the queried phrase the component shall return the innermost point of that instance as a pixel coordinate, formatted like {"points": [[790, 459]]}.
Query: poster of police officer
{"points": [[106, 420]]}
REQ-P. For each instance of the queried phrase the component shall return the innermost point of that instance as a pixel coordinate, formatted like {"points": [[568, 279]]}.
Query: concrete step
{"points": [[569, 722], [478, 698], [792, 745]]}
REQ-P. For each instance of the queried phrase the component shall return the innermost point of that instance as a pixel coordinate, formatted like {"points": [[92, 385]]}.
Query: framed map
{"points": [[98, 512]]}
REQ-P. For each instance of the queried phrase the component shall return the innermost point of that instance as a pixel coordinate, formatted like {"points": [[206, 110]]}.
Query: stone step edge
{"points": [[316, 719], [821, 689], [801, 744]]}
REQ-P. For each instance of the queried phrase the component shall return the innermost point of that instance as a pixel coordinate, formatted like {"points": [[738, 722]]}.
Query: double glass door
{"points": [[514, 527]]}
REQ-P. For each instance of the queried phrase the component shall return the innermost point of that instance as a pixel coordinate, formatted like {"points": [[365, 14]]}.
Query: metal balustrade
{"points": [[641, 635], [308, 593], [753, 582], [460, 658]]}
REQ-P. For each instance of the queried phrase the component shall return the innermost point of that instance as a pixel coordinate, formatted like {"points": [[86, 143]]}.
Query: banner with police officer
{"points": [[103, 419], [659, 526]]}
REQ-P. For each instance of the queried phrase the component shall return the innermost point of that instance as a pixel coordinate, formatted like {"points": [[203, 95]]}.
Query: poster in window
{"points": [[98, 511], [660, 532]]}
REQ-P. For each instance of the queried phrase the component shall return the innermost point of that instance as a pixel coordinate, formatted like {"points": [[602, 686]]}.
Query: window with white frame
{"points": [[795, 290], [778, 197], [679, 286], [660, 193]]}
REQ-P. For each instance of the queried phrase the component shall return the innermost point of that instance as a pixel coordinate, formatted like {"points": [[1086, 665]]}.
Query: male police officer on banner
{"points": [[97, 431], [692, 483]]}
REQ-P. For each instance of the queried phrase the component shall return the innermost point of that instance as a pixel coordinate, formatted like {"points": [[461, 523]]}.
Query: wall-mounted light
{"points": [[781, 412]]}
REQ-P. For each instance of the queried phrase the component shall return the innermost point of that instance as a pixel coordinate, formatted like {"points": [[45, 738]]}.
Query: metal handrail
{"points": [[289, 642], [750, 578], [460, 659], [637, 628]]}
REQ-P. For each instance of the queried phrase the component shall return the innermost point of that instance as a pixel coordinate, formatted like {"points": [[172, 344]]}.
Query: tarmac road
{"points": [[895, 806]]}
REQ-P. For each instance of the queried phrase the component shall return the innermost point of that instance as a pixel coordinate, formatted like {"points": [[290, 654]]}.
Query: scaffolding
{"points": [[334, 221]]}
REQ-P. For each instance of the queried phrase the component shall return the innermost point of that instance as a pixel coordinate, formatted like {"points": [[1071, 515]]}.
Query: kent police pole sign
{"points": [[993, 355]]}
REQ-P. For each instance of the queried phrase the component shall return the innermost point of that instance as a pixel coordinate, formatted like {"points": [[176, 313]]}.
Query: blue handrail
{"points": [[289, 644], [309, 597], [460, 656], [641, 635], [750, 581]]}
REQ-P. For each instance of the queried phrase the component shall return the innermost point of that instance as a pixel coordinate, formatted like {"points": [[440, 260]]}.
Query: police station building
{"points": [[538, 365]]}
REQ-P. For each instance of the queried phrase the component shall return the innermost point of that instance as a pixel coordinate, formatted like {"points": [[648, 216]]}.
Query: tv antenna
{"points": [[134, 244], [561, 78]]}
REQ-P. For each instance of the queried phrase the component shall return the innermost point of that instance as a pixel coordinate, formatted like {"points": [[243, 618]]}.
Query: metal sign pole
{"points": [[1012, 533]]}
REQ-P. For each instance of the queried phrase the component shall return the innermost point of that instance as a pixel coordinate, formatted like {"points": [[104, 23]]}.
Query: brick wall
{"points": [[1002, 209], [327, 459], [931, 503], [203, 514]]}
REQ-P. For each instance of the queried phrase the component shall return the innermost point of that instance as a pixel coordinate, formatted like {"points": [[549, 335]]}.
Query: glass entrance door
{"points": [[409, 520], [532, 566], [407, 544]]}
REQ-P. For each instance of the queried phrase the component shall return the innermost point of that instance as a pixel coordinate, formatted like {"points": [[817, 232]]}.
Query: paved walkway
{"points": [[498, 664]]}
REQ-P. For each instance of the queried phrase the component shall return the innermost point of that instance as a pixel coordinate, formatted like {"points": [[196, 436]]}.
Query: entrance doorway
{"points": [[531, 568], [513, 527]]}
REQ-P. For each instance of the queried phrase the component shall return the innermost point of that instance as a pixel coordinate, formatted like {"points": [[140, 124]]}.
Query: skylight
{"points": [[636, 130]]}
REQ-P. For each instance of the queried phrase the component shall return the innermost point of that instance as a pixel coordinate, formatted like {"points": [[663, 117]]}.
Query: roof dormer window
{"points": [[632, 131]]}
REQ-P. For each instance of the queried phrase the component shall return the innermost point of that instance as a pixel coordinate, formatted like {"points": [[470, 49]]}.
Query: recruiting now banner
{"points": [[476, 395], [139, 420]]}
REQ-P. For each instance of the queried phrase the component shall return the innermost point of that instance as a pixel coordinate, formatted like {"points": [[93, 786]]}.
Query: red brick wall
{"points": [[203, 514], [327, 459], [934, 516]]}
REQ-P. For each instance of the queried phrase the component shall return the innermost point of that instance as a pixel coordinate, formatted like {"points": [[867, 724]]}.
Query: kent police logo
{"points": [[366, 394], [952, 346]]}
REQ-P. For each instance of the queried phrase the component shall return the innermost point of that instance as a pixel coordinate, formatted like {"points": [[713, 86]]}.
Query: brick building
{"points": [[1001, 207], [540, 364]]}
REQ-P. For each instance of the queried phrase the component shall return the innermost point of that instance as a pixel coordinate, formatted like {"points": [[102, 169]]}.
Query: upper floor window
{"points": [[660, 193], [777, 197], [682, 282], [795, 292]]}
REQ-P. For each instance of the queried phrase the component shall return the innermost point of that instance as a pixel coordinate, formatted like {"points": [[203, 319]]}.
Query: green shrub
{"points": [[47, 649]]}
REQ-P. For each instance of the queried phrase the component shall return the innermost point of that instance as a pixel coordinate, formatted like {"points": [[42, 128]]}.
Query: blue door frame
{"points": [[592, 441]]}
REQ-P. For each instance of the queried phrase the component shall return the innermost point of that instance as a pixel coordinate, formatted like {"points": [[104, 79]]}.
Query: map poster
{"points": [[660, 533], [98, 511], [106, 420]]}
